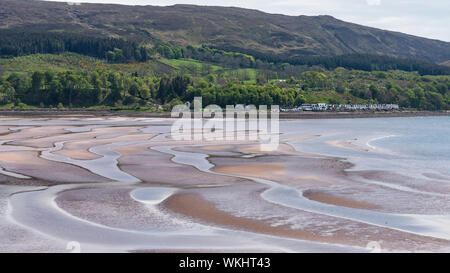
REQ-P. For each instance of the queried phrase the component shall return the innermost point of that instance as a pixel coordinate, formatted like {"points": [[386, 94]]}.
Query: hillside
{"points": [[73, 80], [146, 58], [233, 29]]}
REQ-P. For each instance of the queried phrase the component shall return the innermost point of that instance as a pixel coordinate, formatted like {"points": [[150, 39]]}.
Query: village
{"points": [[342, 107]]}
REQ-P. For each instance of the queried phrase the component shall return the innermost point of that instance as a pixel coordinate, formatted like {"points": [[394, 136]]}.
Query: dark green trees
{"points": [[170, 88]]}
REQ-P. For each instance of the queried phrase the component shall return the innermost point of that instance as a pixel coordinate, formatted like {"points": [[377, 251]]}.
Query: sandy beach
{"points": [[123, 185]]}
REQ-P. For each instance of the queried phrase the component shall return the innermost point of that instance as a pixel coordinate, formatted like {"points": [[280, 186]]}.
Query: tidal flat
{"points": [[123, 184]]}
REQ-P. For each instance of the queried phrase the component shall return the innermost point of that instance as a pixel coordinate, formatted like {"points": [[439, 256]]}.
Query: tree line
{"points": [[366, 62], [118, 89], [15, 43], [18, 42], [76, 89]]}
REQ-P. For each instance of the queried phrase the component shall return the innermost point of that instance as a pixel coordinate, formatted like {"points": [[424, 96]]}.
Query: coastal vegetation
{"points": [[71, 80], [115, 57]]}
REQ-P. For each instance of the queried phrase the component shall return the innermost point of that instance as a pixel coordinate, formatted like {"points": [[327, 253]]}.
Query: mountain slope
{"points": [[236, 29]]}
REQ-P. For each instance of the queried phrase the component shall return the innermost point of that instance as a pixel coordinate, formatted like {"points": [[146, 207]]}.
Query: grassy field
{"points": [[77, 62], [192, 66], [61, 62]]}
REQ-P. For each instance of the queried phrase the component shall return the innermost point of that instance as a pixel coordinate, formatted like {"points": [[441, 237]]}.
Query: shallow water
{"points": [[418, 148], [407, 145], [152, 195], [428, 225]]}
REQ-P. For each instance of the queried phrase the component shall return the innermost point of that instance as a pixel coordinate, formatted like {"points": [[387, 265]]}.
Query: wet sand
{"points": [[337, 201], [82, 171], [29, 163], [286, 170], [195, 206], [347, 144], [155, 167], [264, 170]]}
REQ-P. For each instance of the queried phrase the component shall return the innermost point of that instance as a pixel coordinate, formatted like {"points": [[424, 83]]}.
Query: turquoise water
{"points": [[412, 146]]}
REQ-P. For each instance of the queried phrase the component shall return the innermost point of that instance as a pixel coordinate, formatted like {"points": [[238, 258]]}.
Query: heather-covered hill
{"points": [[233, 29]]}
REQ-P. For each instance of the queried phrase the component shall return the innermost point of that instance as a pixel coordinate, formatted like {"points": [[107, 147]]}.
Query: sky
{"points": [[425, 18]]}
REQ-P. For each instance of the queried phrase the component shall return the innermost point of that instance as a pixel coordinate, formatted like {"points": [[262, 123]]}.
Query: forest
{"points": [[115, 89], [73, 70], [14, 42]]}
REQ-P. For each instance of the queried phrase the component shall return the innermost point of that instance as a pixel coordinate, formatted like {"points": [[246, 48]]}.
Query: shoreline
{"points": [[282, 115], [248, 193]]}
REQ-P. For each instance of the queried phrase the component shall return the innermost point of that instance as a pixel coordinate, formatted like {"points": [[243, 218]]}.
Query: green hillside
{"points": [[76, 81], [54, 55]]}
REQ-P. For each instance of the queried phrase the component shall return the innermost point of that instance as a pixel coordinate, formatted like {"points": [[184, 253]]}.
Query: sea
{"points": [[412, 146]]}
